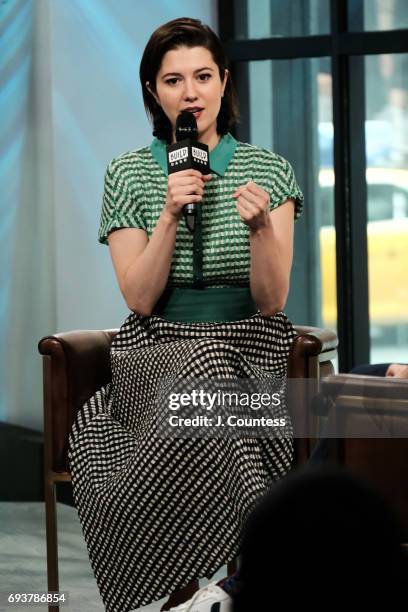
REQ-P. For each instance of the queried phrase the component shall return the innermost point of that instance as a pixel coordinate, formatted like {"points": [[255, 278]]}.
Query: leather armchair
{"points": [[370, 417], [77, 363]]}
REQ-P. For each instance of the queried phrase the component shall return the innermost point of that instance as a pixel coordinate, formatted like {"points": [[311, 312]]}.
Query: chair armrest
{"points": [[315, 340], [355, 385], [368, 418], [75, 365], [310, 357], [311, 344]]}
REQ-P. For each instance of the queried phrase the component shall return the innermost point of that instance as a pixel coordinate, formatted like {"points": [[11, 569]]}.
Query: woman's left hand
{"points": [[253, 205]]}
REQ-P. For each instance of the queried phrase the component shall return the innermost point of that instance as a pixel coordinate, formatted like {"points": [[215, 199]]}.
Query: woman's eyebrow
{"points": [[178, 73]]}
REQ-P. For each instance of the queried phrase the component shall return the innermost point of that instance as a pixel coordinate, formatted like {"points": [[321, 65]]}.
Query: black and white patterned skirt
{"points": [[157, 513]]}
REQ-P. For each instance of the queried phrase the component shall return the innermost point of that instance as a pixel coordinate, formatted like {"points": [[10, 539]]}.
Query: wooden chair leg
{"points": [[180, 596], [51, 537], [232, 567]]}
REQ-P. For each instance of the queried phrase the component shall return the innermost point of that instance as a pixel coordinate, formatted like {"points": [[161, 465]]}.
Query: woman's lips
{"points": [[196, 113]]}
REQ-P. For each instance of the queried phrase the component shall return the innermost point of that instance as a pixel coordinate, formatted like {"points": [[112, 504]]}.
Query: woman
{"points": [[159, 513]]}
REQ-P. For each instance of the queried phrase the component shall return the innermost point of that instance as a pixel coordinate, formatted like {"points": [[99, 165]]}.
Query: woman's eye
{"points": [[174, 80]]}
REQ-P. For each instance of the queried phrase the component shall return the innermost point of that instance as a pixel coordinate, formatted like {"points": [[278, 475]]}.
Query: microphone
{"points": [[187, 153], [186, 127]]}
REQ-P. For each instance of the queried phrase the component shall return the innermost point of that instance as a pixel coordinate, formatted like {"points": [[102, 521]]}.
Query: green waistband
{"points": [[211, 304]]}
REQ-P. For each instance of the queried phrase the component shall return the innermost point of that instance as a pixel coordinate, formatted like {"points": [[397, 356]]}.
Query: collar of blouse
{"points": [[220, 156]]}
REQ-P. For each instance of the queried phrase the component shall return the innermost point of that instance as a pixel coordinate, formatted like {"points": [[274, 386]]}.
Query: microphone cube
{"points": [[188, 154]]}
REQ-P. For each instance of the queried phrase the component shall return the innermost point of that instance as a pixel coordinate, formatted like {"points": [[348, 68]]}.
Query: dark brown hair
{"points": [[185, 32]]}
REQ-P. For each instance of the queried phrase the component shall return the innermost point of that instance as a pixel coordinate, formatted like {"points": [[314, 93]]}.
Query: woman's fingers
{"points": [[184, 187], [188, 189], [248, 200], [250, 189], [187, 180], [183, 174], [246, 208], [252, 204]]}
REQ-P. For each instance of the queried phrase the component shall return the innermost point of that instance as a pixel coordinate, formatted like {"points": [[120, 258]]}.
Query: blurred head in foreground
{"points": [[324, 537]]}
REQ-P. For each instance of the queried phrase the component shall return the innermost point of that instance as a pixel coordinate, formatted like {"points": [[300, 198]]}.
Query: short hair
{"points": [[185, 32]]}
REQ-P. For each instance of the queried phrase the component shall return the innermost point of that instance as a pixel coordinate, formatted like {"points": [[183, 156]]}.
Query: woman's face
{"points": [[189, 79]]}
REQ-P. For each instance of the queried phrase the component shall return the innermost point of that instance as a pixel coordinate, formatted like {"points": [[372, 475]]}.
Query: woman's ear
{"points": [[226, 77], [150, 90]]}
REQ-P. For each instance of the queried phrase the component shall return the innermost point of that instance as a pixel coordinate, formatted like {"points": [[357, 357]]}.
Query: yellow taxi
{"points": [[387, 238]]}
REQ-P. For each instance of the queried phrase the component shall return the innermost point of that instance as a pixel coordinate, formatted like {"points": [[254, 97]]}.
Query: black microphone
{"points": [[186, 127], [187, 153]]}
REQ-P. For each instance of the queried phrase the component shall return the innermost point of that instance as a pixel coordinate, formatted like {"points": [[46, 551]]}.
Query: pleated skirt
{"points": [[157, 513]]}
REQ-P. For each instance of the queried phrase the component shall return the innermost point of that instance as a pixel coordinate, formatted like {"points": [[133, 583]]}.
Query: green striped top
{"points": [[135, 193]]}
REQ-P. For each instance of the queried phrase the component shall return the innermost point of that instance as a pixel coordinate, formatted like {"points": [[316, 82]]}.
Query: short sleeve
{"points": [[121, 202], [285, 187]]}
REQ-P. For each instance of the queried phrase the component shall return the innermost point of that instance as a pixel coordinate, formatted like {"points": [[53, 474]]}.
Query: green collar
{"points": [[220, 156]]}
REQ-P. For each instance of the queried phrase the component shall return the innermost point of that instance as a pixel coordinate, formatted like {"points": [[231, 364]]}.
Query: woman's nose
{"points": [[189, 90]]}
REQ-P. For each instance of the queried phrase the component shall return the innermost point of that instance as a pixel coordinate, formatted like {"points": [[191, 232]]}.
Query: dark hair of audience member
{"points": [[321, 536]]}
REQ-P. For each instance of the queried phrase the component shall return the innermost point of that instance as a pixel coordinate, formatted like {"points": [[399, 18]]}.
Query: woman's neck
{"points": [[211, 140]]}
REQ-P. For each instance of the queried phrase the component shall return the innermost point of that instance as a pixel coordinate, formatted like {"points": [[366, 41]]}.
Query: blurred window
{"points": [[265, 18], [292, 130], [286, 106], [378, 15], [386, 80]]}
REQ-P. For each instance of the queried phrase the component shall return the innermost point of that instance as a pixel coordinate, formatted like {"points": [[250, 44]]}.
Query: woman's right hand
{"points": [[184, 187]]}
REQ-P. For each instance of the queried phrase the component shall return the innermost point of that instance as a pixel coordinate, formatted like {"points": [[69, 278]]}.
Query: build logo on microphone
{"points": [[179, 156], [185, 155], [200, 156]]}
